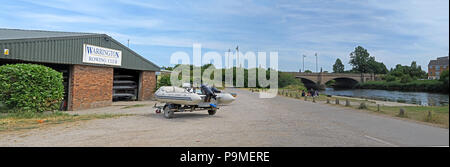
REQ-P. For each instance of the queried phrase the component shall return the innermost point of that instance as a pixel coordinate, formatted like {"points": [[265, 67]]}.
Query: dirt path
{"points": [[249, 121]]}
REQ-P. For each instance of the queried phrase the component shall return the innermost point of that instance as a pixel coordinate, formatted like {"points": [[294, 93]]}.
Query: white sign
{"points": [[101, 55]]}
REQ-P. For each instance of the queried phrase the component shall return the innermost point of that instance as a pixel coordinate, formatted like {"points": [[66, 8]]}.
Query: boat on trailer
{"points": [[184, 99]]}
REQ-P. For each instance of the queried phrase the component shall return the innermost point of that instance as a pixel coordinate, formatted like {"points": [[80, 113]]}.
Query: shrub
{"points": [[417, 85], [405, 79], [30, 87], [2, 107], [164, 80], [389, 78], [444, 77], [286, 79], [362, 105], [296, 87]]}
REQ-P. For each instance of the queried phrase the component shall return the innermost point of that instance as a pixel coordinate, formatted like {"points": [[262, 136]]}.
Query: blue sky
{"points": [[395, 32]]}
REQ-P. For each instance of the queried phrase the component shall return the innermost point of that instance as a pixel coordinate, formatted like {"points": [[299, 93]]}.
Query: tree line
{"points": [[284, 79], [361, 62]]}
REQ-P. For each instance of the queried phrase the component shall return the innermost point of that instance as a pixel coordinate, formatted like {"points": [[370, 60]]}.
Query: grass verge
{"points": [[431, 114], [31, 120]]}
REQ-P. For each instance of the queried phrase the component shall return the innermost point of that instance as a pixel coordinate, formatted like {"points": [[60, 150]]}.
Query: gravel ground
{"points": [[249, 121]]}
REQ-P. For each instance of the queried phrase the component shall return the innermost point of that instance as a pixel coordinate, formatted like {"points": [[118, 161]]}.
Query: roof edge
{"points": [[143, 58]]}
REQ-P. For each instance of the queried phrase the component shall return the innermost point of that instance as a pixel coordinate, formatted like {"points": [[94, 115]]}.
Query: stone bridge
{"points": [[347, 80]]}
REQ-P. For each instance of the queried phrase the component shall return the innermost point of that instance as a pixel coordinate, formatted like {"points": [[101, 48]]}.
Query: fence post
{"points": [[402, 112], [429, 117], [347, 102]]}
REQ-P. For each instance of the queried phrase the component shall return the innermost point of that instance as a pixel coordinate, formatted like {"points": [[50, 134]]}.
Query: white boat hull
{"points": [[176, 95], [171, 94]]}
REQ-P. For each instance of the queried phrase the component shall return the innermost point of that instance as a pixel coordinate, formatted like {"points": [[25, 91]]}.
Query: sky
{"points": [[394, 32]]}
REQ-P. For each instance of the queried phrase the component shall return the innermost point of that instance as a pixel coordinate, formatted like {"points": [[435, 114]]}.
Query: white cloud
{"points": [[99, 21], [144, 4], [393, 31]]}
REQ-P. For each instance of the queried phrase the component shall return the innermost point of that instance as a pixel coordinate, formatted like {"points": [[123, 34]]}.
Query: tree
{"points": [[338, 67], [359, 59], [390, 78], [164, 80], [286, 79], [377, 67], [362, 62], [444, 77], [308, 71], [416, 71], [405, 79]]}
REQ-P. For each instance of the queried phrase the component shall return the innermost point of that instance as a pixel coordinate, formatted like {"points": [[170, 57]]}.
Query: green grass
{"points": [[31, 120], [439, 114]]}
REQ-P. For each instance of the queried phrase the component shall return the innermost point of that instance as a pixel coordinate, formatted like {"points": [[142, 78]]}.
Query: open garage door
{"points": [[125, 85]]}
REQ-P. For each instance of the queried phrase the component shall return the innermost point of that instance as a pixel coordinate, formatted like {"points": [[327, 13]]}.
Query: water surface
{"points": [[420, 98]]}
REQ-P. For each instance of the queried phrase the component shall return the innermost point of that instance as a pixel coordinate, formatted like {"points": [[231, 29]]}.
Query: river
{"points": [[420, 98]]}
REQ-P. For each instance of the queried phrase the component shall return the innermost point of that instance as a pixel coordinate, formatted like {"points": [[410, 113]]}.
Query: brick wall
{"points": [[148, 84], [432, 71], [90, 87]]}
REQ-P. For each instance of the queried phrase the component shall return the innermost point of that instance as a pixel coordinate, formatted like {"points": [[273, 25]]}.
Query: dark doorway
{"points": [[125, 84]]}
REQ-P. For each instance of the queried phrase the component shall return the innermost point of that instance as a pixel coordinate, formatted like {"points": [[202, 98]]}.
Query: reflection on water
{"points": [[421, 98]]}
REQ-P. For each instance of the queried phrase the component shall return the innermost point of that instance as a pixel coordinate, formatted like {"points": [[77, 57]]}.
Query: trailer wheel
{"points": [[212, 112], [168, 113]]}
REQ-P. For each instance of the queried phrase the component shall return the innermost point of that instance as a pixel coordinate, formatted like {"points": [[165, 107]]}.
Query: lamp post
{"points": [[304, 62], [237, 59], [317, 64]]}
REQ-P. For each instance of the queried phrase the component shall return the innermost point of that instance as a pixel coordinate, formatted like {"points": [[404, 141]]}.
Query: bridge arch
{"points": [[308, 83], [347, 80], [342, 82]]}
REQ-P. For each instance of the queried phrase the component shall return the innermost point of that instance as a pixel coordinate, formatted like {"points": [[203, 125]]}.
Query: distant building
{"points": [[435, 67]]}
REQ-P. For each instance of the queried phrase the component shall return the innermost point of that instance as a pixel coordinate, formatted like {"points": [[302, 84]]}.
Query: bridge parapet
{"points": [[321, 78], [333, 74]]}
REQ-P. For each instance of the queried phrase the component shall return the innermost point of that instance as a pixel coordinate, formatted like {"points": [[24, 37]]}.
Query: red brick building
{"points": [[97, 69], [435, 67]]}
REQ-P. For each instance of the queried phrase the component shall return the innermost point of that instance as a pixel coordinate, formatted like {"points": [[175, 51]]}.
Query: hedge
{"points": [[417, 85], [30, 88]]}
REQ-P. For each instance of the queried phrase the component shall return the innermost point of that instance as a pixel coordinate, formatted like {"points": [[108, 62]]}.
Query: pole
{"points": [[228, 59], [237, 60], [317, 64], [304, 63], [128, 42]]}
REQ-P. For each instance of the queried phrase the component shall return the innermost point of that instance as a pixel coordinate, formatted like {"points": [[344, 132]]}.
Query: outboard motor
{"points": [[208, 92], [215, 90]]}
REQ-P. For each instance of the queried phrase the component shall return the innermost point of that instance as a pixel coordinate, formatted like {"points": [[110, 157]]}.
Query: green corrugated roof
{"points": [[64, 47], [6, 34]]}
